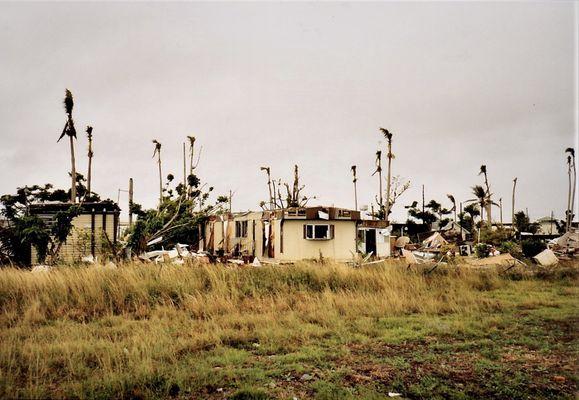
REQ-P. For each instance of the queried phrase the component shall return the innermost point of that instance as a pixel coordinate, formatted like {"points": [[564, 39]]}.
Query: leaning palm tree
{"points": [[572, 172], [158, 153], [90, 154], [70, 131]]}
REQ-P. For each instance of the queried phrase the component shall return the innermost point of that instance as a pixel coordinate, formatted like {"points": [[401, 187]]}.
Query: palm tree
{"points": [[90, 154], [158, 153], [488, 202], [191, 154], [388, 136], [355, 179], [572, 172], [453, 201], [480, 198], [379, 171], [70, 131], [267, 171]]}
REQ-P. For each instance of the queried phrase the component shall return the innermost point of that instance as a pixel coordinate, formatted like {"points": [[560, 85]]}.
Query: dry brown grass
{"points": [[139, 330]]}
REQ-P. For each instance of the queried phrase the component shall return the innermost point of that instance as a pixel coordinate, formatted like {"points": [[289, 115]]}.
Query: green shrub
{"points": [[532, 247], [482, 250], [512, 248]]}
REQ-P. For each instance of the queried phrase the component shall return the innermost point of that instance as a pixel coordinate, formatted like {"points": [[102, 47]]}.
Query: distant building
{"points": [[89, 228], [547, 226]]}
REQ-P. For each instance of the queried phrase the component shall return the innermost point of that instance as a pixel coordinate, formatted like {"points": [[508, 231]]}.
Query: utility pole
{"points": [[130, 202], [501, 209], [355, 179], [513, 205]]}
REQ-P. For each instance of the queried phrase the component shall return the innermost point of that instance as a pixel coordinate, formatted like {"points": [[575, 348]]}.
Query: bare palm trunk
{"points": [[184, 170], [73, 171], [387, 211], [568, 216], [574, 184], [501, 209], [513, 205], [89, 174], [489, 200], [160, 181]]}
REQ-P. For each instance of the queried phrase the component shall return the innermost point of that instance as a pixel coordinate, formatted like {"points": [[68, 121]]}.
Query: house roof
{"points": [[87, 208]]}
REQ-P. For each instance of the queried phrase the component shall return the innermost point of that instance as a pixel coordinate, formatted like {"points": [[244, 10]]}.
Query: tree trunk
{"points": [[387, 211], [130, 201], [568, 216], [513, 205], [355, 196], [160, 181], [73, 171], [89, 175], [573, 193]]}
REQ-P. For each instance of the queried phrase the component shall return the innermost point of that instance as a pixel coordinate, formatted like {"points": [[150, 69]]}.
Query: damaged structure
{"points": [[289, 234], [92, 229]]}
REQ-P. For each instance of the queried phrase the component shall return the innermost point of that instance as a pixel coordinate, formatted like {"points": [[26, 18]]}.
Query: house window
{"points": [[318, 232], [240, 229]]}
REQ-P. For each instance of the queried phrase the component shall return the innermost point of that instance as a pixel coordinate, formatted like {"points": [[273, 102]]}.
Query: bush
{"points": [[482, 250], [512, 248], [495, 237], [532, 247]]}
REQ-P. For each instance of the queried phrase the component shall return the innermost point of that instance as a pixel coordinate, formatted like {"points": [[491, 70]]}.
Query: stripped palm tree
{"points": [[488, 202], [572, 173], [354, 180], [191, 155], [70, 131], [267, 171], [379, 171], [90, 155], [513, 204], [390, 156], [157, 152]]}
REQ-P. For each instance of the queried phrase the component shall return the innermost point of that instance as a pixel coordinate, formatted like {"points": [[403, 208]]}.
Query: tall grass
{"points": [[140, 330], [83, 294]]}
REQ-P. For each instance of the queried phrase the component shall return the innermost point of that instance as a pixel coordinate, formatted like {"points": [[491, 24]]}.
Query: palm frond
{"points": [[387, 134], [571, 151], [483, 170], [68, 102]]}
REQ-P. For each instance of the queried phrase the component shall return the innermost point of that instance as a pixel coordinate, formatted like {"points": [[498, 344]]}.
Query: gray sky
{"points": [[459, 85]]}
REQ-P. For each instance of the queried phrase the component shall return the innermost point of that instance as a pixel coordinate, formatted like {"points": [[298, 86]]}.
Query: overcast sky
{"points": [[278, 84]]}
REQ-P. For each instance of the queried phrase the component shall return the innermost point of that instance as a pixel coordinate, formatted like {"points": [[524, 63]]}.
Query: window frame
{"points": [[310, 232]]}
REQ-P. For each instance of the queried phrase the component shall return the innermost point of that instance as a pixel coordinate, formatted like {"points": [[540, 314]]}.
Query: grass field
{"points": [[305, 331]]}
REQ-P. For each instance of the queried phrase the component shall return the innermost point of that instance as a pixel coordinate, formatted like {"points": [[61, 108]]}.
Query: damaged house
{"points": [[92, 229], [289, 234]]}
